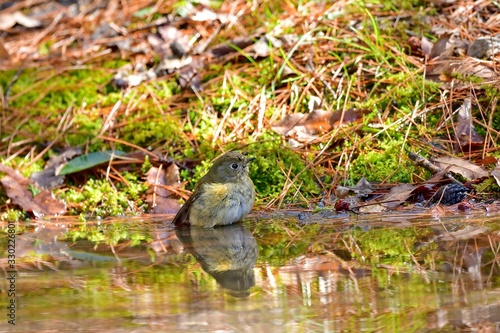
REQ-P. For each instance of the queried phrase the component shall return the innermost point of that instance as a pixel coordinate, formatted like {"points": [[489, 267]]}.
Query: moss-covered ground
{"points": [[353, 54]]}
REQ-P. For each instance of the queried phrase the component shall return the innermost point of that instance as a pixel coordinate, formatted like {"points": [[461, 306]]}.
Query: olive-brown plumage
{"points": [[223, 196]]}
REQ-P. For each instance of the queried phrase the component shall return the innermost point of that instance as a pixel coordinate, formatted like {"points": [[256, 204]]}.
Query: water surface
{"points": [[304, 273]]}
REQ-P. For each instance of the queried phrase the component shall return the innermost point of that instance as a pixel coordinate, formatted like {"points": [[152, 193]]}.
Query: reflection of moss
{"points": [[275, 243], [384, 245], [111, 234]]}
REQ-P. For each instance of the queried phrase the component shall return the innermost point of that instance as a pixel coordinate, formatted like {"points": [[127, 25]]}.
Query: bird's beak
{"points": [[250, 159]]}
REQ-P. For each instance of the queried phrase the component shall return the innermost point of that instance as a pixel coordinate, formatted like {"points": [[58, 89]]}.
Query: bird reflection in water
{"points": [[228, 253]]}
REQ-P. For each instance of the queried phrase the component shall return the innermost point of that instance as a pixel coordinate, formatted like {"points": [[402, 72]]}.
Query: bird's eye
{"points": [[234, 166]]}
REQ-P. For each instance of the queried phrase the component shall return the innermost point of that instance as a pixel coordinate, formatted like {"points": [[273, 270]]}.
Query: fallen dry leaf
{"points": [[485, 47], [362, 187], [398, 195], [127, 76], [231, 46], [306, 126], [445, 70], [447, 45], [48, 178], [8, 20], [372, 208], [17, 189], [465, 168], [4, 54], [160, 199], [467, 137], [496, 173], [426, 46]]}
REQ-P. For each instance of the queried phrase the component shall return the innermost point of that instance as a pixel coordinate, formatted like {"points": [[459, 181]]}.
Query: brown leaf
{"points": [[444, 70], [426, 46], [496, 173], [447, 45], [17, 189], [487, 160], [48, 178], [398, 195], [4, 54], [466, 135], [8, 20], [484, 47], [159, 197], [232, 46], [307, 126], [49, 204], [465, 168]]}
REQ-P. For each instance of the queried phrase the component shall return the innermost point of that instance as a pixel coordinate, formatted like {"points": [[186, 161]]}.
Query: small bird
{"points": [[223, 196]]}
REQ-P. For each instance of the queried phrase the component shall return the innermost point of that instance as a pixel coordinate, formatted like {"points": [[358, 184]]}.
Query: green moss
{"points": [[269, 170], [383, 163], [60, 91], [272, 166], [20, 164], [99, 198], [12, 215]]}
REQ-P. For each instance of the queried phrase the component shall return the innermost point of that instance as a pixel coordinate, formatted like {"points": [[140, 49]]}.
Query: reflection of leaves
{"points": [[465, 233], [277, 242], [111, 234]]}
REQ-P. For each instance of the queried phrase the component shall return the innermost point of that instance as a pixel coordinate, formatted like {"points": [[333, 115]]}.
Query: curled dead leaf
{"points": [[465, 168], [160, 198], [306, 126], [485, 47], [17, 188], [397, 195], [465, 133], [496, 173], [8, 20]]}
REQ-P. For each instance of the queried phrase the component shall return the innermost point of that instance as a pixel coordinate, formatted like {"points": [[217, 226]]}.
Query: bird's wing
{"points": [[182, 216]]}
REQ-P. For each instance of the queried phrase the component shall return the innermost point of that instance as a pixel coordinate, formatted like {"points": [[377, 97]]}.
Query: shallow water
{"points": [[304, 273]]}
